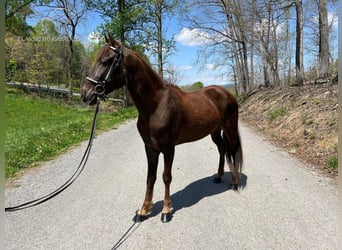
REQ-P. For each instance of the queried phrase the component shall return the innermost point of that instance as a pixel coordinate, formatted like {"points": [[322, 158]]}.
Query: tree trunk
{"points": [[159, 6], [323, 40], [299, 43], [121, 5]]}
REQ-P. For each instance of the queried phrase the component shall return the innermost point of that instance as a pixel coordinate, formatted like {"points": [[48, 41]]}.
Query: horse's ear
{"points": [[106, 39], [113, 41]]}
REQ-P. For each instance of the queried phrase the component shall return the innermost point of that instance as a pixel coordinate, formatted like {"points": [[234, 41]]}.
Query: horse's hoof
{"points": [[217, 180], [166, 217], [139, 217], [235, 187]]}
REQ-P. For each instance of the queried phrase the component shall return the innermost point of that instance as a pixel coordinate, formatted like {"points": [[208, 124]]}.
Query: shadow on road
{"points": [[198, 190]]}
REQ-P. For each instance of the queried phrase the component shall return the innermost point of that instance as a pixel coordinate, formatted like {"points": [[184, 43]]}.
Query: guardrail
{"points": [[50, 89]]}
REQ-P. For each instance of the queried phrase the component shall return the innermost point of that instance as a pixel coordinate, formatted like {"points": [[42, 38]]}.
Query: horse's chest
{"points": [[156, 133]]}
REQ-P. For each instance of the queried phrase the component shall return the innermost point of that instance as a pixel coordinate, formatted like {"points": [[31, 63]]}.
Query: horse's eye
{"points": [[106, 59]]}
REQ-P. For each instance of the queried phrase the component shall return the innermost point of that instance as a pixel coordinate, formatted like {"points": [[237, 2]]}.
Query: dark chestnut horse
{"points": [[167, 115]]}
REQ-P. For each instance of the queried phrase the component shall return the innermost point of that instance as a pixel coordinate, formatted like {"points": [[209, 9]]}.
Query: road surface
{"points": [[282, 203]]}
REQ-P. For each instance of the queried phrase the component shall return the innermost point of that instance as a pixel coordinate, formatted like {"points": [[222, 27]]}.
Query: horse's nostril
{"points": [[83, 97]]}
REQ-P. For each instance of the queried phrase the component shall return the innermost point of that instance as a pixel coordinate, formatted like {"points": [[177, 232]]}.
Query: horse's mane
{"points": [[156, 75], [148, 66]]}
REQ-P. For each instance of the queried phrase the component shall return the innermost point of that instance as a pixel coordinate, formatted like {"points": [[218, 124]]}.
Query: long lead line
{"points": [[78, 171]]}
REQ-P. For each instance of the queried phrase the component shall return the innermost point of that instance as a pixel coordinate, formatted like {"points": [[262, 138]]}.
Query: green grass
{"points": [[333, 161], [38, 129], [277, 112]]}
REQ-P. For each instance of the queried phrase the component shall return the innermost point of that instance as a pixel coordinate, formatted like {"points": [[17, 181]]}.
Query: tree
{"points": [[68, 14], [268, 37], [223, 25], [155, 39], [172, 74], [45, 67], [197, 85], [16, 58], [323, 53], [299, 43], [16, 12], [41, 57], [124, 19], [139, 23]]}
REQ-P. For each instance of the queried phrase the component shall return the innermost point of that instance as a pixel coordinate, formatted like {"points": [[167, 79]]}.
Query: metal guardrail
{"points": [[50, 89]]}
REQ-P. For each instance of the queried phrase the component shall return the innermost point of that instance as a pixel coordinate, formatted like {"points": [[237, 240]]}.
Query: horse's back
{"points": [[202, 111]]}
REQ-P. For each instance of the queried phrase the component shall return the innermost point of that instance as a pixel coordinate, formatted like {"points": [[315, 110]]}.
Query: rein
{"points": [[78, 171]]}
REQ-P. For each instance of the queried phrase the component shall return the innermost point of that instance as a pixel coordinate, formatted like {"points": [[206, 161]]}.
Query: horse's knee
{"points": [[167, 178], [150, 181]]}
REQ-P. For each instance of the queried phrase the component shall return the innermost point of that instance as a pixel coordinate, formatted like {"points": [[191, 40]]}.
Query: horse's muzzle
{"points": [[88, 95]]}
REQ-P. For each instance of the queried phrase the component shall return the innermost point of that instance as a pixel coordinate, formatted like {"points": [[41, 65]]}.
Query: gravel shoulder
{"points": [[282, 202]]}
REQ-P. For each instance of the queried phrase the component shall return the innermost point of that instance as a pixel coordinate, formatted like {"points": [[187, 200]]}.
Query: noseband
{"points": [[101, 84]]}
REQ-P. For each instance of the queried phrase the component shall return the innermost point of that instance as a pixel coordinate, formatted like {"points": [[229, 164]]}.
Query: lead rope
{"points": [[78, 171], [126, 235]]}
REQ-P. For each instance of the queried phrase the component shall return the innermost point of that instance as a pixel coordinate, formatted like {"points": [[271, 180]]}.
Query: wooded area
{"points": [[261, 39], [259, 42]]}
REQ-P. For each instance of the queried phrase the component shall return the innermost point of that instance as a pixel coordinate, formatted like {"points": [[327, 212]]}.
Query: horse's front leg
{"points": [[167, 178], [152, 161]]}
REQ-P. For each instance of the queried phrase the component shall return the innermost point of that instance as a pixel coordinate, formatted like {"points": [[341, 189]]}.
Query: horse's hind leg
{"points": [[218, 140]]}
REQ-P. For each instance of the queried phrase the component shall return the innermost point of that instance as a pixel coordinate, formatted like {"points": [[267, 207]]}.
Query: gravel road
{"points": [[282, 203]]}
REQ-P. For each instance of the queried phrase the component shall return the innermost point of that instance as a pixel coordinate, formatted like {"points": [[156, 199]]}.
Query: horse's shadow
{"points": [[198, 190]]}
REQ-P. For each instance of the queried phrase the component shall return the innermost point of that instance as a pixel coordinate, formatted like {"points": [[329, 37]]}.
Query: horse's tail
{"points": [[232, 140], [234, 153]]}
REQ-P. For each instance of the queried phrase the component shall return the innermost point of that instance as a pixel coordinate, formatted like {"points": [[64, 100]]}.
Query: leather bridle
{"points": [[100, 85]]}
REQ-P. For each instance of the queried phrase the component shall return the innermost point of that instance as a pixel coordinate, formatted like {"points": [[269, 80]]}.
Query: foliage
{"points": [[193, 87], [124, 19], [198, 85], [16, 12], [42, 57], [38, 129], [138, 24]]}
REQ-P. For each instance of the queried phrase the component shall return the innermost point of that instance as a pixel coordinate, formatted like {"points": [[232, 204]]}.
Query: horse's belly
{"points": [[196, 130], [200, 118]]}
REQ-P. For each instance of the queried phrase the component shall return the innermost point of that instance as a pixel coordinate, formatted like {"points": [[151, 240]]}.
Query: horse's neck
{"points": [[144, 86]]}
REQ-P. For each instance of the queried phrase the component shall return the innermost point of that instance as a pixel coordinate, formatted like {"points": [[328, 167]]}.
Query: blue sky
{"points": [[184, 59]]}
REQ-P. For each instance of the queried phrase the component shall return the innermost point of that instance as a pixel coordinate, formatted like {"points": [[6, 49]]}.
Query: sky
{"points": [[184, 59]]}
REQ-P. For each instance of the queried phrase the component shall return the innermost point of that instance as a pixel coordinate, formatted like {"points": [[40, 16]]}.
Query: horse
{"points": [[167, 116]]}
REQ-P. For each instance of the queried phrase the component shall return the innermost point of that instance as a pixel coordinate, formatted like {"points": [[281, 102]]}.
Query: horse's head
{"points": [[106, 73]]}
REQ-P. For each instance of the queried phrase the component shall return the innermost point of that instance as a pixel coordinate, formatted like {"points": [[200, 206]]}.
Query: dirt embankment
{"points": [[301, 119]]}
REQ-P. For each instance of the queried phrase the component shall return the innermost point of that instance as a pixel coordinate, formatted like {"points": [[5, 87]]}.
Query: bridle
{"points": [[100, 85]]}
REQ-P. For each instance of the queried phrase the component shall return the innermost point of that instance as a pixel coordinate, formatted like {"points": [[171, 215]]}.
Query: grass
{"points": [[38, 129], [277, 112], [333, 161]]}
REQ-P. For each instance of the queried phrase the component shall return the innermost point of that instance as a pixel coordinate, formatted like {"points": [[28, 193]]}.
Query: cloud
{"points": [[94, 37], [332, 19], [192, 37], [184, 67], [209, 66]]}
